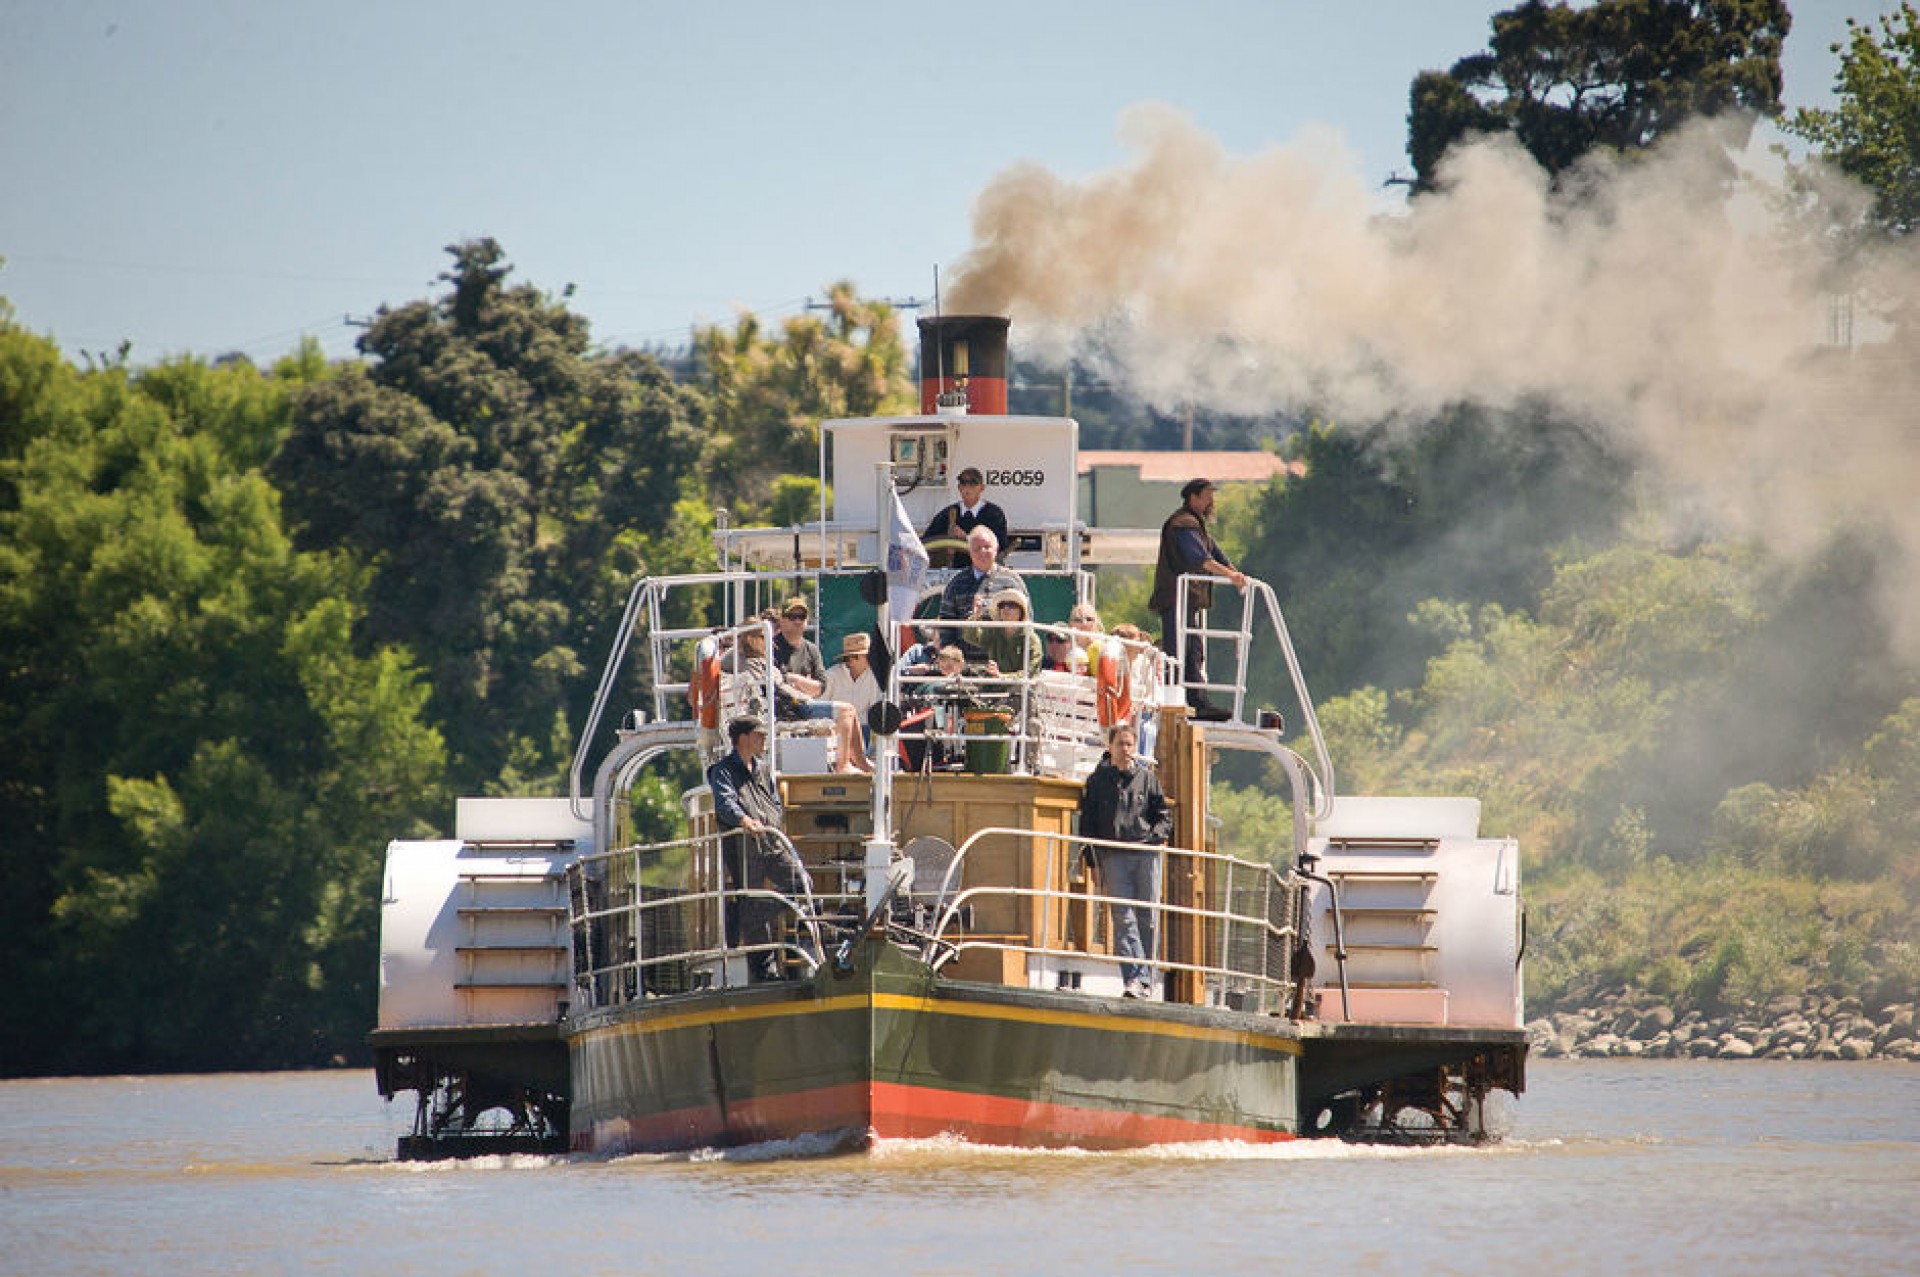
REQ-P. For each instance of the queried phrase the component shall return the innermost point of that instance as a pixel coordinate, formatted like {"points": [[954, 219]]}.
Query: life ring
{"points": [[1112, 685], [703, 692]]}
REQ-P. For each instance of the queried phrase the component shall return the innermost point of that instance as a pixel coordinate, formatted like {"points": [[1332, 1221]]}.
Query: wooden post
{"points": [[1184, 775]]}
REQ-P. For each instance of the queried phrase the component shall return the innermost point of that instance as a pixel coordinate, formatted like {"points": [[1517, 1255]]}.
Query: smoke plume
{"points": [[1658, 296]]}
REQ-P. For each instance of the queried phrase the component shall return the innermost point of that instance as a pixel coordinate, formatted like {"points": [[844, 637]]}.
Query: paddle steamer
{"points": [[560, 974]]}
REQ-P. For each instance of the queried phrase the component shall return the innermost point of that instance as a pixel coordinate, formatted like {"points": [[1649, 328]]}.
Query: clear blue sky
{"points": [[208, 176]]}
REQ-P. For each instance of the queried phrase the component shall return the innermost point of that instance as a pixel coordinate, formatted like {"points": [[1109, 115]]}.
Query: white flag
{"points": [[906, 567]]}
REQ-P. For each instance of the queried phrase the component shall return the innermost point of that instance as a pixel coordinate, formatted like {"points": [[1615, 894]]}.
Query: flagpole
{"points": [[879, 849]]}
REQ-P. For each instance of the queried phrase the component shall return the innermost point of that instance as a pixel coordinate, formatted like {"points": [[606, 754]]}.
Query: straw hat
{"points": [[856, 645]]}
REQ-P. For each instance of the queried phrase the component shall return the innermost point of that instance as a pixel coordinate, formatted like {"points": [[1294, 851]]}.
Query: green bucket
{"points": [[988, 749]]}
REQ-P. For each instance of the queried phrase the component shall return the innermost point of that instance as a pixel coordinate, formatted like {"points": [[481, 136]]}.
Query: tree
{"points": [[1472, 508], [1873, 135], [199, 769], [771, 392], [1618, 73], [505, 484]]}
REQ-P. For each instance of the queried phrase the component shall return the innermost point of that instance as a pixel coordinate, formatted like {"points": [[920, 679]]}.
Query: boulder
{"points": [[1653, 1021], [1599, 1045]]}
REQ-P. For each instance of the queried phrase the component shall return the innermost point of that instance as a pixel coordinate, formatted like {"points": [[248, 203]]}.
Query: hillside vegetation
{"points": [[256, 622]]}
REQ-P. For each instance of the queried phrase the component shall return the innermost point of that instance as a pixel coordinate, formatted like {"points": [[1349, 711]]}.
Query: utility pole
{"points": [[898, 303]]}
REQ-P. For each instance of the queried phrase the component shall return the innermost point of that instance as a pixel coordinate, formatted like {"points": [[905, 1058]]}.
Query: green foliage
{"points": [[1255, 823], [199, 767], [771, 392], [1470, 506], [1613, 736], [1617, 74], [1361, 737], [503, 483], [794, 499], [1719, 937], [1872, 134], [210, 727]]}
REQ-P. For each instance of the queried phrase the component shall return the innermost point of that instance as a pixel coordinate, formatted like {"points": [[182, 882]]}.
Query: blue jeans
{"points": [[1136, 876]]}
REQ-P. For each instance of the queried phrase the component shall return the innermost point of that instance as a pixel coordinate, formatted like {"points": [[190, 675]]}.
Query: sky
{"points": [[204, 176]]}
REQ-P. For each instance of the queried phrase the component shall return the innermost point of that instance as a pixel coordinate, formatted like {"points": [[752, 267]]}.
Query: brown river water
{"points": [[1610, 1166]]}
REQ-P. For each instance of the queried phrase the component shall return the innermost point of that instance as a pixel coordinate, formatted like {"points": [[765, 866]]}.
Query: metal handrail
{"points": [[1259, 597], [950, 906], [806, 912]]}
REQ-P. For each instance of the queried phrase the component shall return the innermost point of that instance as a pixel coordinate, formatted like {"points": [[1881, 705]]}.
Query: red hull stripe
{"points": [[917, 1112], [943, 1006]]}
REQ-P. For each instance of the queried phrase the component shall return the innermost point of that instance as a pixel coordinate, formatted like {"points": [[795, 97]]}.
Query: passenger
{"points": [[918, 660], [934, 705], [1061, 655], [967, 593], [1186, 547], [950, 698], [952, 665], [746, 806], [1084, 621], [958, 520], [792, 704], [850, 679], [1137, 646], [1122, 802], [793, 651], [1010, 653]]}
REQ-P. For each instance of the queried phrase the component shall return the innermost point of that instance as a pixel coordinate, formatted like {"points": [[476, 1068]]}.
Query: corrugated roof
{"points": [[1178, 467]]}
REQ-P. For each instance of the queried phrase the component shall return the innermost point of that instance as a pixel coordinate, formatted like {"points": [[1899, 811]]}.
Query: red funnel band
{"points": [[964, 355]]}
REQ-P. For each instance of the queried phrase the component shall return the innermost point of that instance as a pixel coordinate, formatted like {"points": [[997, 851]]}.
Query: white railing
{"points": [[1255, 946], [643, 929]]}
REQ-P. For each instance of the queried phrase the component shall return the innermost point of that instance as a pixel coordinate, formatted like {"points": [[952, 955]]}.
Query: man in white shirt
{"points": [[850, 679]]}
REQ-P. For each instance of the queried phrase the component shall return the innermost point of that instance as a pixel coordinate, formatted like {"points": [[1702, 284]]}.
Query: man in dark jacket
{"points": [[1122, 802], [747, 807], [971, 511], [1186, 547]]}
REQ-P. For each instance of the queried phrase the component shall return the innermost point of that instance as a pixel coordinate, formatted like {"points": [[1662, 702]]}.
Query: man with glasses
{"points": [[951, 526], [794, 652]]}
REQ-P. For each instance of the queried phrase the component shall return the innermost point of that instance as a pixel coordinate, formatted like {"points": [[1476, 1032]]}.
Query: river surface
{"points": [[1611, 1166]]}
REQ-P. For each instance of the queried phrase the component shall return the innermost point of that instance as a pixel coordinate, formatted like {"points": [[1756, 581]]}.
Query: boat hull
{"points": [[890, 1050]]}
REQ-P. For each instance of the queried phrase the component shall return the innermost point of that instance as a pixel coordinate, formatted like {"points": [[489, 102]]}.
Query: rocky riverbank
{"points": [[1810, 1027]]}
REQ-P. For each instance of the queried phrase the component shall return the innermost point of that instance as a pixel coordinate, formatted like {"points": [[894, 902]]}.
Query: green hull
{"points": [[890, 1050]]}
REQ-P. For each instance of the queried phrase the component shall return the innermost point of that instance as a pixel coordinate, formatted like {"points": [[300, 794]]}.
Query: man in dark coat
{"points": [[1186, 547], [971, 511], [1122, 802], [747, 807]]}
